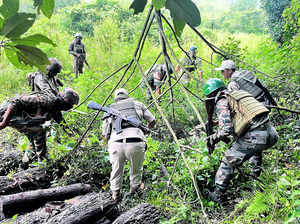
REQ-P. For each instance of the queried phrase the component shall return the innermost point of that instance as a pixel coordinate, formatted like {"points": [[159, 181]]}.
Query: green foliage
{"points": [[233, 49], [182, 12], [275, 22], [291, 17], [14, 24]]}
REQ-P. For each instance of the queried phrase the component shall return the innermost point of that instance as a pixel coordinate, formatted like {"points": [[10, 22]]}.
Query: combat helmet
{"points": [[70, 95], [193, 48], [78, 35], [213, 84]]}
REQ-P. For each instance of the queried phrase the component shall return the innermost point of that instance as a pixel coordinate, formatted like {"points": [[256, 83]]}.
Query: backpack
{"points": [[244, 109]]}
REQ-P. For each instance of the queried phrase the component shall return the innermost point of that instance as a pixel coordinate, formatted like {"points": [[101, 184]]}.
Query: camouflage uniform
{"points": [[155, 79], [245, 80], [41, 82], [191, 64], [260, 136], [28, 105], [78, 62]]}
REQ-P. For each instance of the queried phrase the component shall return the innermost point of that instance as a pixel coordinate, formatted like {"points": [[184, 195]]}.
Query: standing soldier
{"points": [[245, 80], [28, 112], [77, 49], [191, 63], [130, 144], [238, 113], [155, 78], [48, 83]]}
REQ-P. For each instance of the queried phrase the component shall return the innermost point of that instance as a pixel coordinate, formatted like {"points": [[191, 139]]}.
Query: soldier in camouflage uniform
{"points": [[155, 79], [38, 81], [258, 137], [245, 80], [191, 63], [37, 106], [77, 49]]}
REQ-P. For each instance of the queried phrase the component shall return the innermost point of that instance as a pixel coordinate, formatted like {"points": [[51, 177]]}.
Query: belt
{"points": [[129, 140]]}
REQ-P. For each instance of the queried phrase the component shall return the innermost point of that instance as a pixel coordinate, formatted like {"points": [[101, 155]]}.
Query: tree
{"points": [[18, 49], [275, 21], [291, 17]]}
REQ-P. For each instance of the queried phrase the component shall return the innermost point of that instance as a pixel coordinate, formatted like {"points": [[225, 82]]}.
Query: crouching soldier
{"points": [[155, 77], [241, 115], [129, 143], [49, 83], [27, 113]]}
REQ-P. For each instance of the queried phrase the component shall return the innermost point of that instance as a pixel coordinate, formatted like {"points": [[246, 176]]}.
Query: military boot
{"points": [[217, 195]]}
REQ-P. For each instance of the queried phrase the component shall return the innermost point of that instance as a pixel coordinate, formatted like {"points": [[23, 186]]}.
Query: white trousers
{"points": [[119, 153]]}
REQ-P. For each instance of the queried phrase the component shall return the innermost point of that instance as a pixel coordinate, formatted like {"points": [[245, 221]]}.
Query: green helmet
{"points": [[212, 85]]}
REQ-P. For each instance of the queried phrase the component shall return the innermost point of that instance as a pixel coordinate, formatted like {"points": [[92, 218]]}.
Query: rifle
{"points": [[82, 58], [119, 118]]}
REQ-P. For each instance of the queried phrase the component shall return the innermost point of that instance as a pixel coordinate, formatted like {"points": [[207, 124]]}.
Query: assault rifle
{"points": [[119, 118], [82, 58]]}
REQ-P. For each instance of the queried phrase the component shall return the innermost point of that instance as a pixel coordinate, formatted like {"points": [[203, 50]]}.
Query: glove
{"points": [[212, 140]]}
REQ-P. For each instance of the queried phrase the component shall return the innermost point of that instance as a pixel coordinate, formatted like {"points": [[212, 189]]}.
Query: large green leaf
{"points": [[48, 7], [12, 56], [18, 24], [32, 40], [184, 10], [9, 8], [32, 56], [178, 25], [158, 4], [138, 6]]}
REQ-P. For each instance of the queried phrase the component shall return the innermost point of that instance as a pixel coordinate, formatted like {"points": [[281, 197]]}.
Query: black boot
{"points": [[217, 195]]}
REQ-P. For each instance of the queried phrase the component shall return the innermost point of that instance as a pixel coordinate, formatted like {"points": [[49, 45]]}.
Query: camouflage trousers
{"points": [[77, 66], [37, 138], [248, 147]]}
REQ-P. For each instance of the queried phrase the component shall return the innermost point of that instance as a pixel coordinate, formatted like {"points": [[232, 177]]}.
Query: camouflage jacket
{"points": [[77, 49], [224, 118], [191, 64], [38, 101], [41, 82]]}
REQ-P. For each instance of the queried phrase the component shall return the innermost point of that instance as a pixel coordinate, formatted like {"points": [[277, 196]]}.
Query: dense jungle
{"points": [[123, 39]]}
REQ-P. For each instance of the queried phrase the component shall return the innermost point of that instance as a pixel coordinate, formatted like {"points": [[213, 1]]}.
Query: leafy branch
{"points": [[19, 50]]}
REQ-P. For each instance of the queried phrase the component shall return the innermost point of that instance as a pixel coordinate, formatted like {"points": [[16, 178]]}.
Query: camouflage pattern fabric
{"points": [[248, 147], [30, 104], [78, 62], [191, 64], [41, 82]]}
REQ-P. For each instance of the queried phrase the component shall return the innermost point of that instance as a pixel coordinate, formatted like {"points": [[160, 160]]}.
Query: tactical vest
{"points": [[246, 80], [127, 109], [78, 48], [244, 109]]}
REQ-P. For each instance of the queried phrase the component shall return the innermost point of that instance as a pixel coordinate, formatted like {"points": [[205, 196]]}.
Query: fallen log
{"points": [[30, 179], [90, 208], [59, 211], [9, 160], [141, 214], [30, 200]]}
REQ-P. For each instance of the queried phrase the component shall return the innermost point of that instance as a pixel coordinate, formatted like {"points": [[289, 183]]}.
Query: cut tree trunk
{"points": [[92, 208], [30, 179], [140, 214], [30, 200], [9, 161]]}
